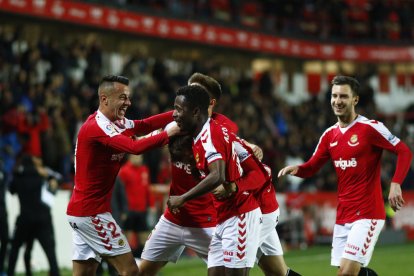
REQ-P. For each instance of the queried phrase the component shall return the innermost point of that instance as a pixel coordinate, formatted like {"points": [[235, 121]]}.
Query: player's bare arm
{"points": [[395, 196], [292, 170], [215, 178]]}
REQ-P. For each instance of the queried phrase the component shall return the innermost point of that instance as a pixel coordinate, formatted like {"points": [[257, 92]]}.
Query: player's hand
{"points": [[258, 152], [395, 197], [225, 190], [292, 170], [173, 129], [175, 202]]}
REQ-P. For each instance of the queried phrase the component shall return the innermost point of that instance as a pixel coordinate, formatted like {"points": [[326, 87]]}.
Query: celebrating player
{"points": [[216, 150], [101, 145], [270, 254], [355, 144]]}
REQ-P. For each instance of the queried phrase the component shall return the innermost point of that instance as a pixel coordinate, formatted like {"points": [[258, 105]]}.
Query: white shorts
{"points": [[269, 239], [236, 240], [168, 240], [97, 236], [355, 241]]}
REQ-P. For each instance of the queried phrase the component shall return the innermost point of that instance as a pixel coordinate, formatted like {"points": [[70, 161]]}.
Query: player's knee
{"points": [[131, 270]]}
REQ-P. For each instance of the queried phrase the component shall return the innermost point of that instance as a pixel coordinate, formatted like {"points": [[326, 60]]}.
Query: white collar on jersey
{"points": [[205, 126], [101, 116], [356, 120]]}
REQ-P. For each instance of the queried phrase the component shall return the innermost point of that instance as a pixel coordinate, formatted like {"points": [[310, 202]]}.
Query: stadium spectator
{"points": [[101, 145], [355, 146]]}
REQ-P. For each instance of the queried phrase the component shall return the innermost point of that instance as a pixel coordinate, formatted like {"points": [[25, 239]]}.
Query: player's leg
{"points": [[21, 233], [98, 236], [125, 264], [241, 239], [198, 240], [215, 260], [164, 244], [362, 237]]}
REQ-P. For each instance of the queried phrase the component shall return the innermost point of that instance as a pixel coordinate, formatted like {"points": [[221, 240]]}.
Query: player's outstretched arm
{"points": [[395, 197], [292, 170], [257, 151]]}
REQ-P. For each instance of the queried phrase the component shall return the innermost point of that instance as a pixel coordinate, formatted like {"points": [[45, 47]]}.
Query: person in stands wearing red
{"points": [[101, 144], [355, 145], [136, 179]]}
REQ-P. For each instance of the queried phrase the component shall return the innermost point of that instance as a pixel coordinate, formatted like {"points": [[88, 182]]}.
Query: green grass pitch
{"points": [[387, 260]]}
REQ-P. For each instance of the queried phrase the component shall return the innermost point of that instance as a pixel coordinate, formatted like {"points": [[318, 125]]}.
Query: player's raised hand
{"points": [[395, 197], [175, 202], [292, 170], [173, 129]]}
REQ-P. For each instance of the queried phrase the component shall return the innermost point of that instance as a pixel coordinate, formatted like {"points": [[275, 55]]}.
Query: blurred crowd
{"points": [[47, 89], [367, 20]]}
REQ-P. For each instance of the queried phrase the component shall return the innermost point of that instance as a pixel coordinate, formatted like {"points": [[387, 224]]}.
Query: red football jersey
{"points": [[266, 196], [100, 148], [200, 211], [216, 142], [355, 152]]}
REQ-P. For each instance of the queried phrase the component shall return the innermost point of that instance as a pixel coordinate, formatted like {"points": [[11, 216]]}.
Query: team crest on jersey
{"points": [[353, 141]]}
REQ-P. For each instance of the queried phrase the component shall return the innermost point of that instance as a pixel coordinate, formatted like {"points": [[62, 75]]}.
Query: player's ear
{"points": [[356, 100]]}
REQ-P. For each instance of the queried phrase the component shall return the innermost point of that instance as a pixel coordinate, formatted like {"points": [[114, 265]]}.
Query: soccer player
{"points": [[216, 150], [270, 254], [102, 142], [355, 144]]}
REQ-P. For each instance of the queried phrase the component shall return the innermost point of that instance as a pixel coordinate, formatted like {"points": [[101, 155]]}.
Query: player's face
{"points": [[183, 115], [119, 101], [342, 101]]}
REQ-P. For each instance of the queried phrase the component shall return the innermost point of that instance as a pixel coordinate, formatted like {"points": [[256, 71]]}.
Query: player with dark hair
{"points": [[270, 254], [355, 145], [102, 142], [218, 155]]}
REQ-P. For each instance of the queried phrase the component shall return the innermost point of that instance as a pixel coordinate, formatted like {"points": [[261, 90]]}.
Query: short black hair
{"points": [[210, 84], [195, 96], [352, 82], [115, 78]]}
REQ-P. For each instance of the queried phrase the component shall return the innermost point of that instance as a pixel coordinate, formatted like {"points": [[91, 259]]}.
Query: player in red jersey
{"points": [[355, 145], [270, 254], [217, 154], [100, 148]]}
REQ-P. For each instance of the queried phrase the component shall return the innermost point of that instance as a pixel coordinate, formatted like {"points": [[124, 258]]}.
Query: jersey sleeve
{"points": [[125, 144], [253, 177], [213, 147], [318, 159], [381, 137], [145, 126]]}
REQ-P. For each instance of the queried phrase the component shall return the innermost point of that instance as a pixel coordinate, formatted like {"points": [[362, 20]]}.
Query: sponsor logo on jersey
{"points": [[183, 166], [117, 156], [343, 164], [353, 141]]}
